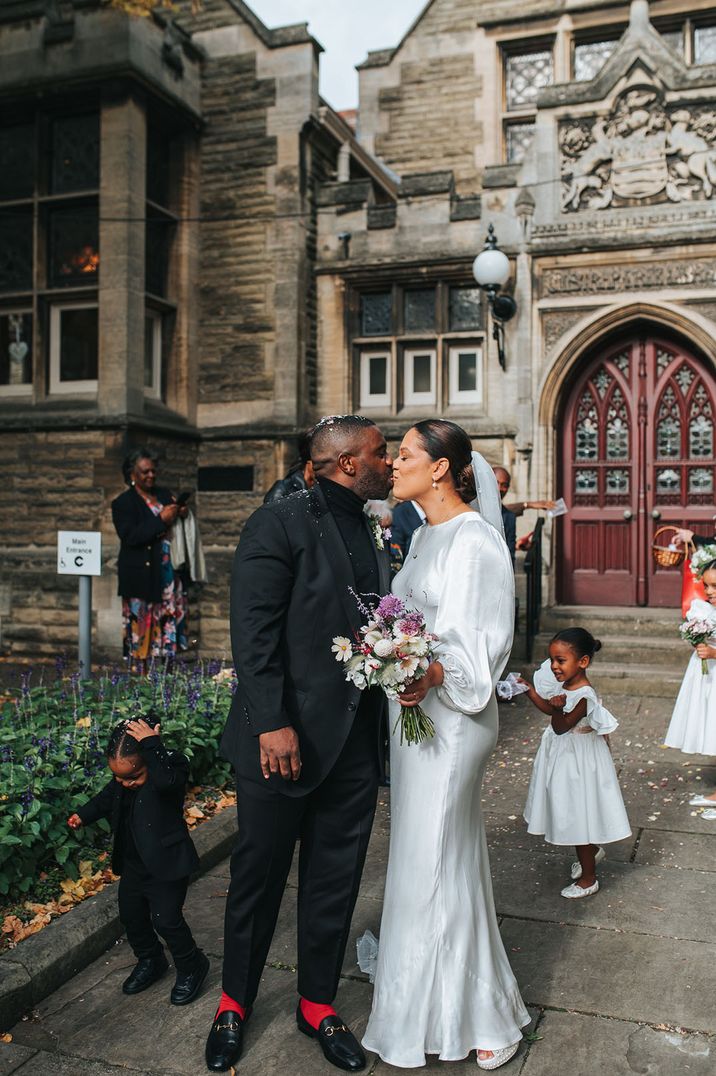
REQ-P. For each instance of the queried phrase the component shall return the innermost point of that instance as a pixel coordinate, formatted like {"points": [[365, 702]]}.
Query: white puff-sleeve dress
{"points": [[443, 982], [574, 796], [692, 728]]}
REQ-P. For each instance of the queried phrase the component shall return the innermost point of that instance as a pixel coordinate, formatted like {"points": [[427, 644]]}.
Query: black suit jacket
{"points": [[158, 827], [290, 595], [405, 522], [139, 563]]}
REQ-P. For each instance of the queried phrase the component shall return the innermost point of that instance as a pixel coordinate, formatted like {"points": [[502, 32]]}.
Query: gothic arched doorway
{"points": [[637, 452]]}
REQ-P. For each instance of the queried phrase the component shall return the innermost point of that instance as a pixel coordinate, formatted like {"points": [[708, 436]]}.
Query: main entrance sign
{"points": [[637, 453]]}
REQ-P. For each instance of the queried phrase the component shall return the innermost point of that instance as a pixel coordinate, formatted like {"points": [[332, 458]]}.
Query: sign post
{"points": [[80, 553]]}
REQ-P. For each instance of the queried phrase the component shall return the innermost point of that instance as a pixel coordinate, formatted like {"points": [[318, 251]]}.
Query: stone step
{"points": [[603, 620], [641, 680], [664, 651]]}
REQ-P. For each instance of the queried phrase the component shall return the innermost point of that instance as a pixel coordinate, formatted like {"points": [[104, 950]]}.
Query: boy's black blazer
{"points": [[290, 595], [139, 565], [158, 827]]}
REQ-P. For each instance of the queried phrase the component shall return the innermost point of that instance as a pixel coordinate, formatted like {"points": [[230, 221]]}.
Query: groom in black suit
{"points": [[305, 744]]}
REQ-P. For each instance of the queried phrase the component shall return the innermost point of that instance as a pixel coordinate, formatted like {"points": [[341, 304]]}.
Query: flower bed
{"points": [[52, 757]]}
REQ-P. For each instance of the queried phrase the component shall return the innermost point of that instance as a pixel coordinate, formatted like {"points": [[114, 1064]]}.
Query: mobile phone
{"points": [[183, 497]]}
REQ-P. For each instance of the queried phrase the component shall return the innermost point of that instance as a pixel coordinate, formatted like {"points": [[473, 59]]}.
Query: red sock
{"points": [[227, 1003], [314, 1013]]}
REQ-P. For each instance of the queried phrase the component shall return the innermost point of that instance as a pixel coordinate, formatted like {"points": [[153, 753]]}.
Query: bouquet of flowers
{"points": [[695, 631], [391, 650]]}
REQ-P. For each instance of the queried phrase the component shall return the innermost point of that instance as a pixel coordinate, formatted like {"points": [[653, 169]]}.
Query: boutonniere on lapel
{"points": [[381, 534]]}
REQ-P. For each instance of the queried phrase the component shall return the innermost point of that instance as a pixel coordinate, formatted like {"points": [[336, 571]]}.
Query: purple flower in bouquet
{"points": [[698, 630]]}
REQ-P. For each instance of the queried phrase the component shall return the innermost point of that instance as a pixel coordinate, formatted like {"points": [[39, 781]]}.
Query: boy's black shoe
{"points": [[147, 971], [225, 1041], [188, 985]]}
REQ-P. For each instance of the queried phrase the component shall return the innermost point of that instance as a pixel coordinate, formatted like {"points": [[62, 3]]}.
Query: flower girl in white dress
{"points": [[692, 728], [574, 796]]}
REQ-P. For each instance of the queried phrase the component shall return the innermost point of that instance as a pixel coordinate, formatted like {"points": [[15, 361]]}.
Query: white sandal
{"points": [[499, 1057], [576, 868]]}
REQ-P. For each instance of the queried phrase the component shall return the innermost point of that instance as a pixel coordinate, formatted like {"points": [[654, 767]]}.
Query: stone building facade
{"points": [[198, 252], [585, 134]]}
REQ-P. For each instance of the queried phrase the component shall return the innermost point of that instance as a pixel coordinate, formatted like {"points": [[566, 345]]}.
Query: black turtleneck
{"points": [[347, 508]]}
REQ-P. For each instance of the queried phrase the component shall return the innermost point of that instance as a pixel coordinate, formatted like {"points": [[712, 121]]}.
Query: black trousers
{"points": [[333, 823], [149, 906]]}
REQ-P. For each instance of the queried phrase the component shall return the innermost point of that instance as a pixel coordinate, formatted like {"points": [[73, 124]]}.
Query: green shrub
{"points": [[52, 752]]}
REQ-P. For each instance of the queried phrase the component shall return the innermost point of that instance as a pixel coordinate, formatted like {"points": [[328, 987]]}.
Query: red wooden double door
{"points": [[637, 447]]}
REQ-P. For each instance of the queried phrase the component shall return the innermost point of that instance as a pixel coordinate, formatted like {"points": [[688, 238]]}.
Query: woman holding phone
{"points": [[154, 601]]}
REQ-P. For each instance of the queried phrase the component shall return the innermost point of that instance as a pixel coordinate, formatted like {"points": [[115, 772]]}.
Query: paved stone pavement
{"points": [[617, 984]]}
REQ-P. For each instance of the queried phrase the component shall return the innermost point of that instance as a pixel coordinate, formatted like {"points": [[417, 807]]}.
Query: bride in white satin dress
{"points": [[443, 982]]}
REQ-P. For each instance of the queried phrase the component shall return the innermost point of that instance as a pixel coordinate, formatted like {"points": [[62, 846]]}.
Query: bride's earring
{"points": [[435, 485]]}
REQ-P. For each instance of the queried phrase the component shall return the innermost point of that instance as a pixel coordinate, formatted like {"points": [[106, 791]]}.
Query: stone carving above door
{"points": [[643, 152]]}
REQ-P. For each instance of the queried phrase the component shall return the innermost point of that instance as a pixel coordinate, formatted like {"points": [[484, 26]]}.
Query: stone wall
{"points": [[420, 106], [236, 270]]}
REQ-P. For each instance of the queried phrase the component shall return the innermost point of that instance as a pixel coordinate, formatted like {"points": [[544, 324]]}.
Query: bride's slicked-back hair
{"points": [[443, 439]]}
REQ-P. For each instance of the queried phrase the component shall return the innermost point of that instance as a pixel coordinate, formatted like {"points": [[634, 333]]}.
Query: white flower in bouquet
{"points": [[342, 648], [384, 648]]}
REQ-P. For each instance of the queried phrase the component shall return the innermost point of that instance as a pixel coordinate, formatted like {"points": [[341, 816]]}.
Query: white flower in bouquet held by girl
{"points": [[389, 652]]}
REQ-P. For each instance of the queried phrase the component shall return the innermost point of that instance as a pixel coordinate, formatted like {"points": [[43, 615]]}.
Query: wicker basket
{"points": [[664, 557]]}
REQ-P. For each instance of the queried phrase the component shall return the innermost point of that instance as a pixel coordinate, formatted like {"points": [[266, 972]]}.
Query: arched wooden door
{"points": [[637, 453]]}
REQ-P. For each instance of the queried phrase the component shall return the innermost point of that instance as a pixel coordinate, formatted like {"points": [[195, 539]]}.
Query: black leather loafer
{"points": [[146, 972], [225, 1041], [187, 986], [338, 1042]]}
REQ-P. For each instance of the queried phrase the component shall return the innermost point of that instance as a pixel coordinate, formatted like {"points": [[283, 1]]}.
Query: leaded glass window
{"points": [[602, 381], [705, 45], [701, 427], [525, 75], [668, 481], [15, 349], [74, 247], [419, 309], [684, 377], [585, 482], [587, 431], [617, 482], [663, 358], [617, 427], [675, 38], [590, 57], [75, 154], [376, 313], [701, 480], [668, 426], [16, 250], [621, 361], [17, 153], [518, 139], [465, 309]]}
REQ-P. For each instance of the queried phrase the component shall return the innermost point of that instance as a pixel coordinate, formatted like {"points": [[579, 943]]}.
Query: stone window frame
{"points": [[370, 400], [687, 26], [520, 116], [156, 317], [401, 341], [39, 300]]}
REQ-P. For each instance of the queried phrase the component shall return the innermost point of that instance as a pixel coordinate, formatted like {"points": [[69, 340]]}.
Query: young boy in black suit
{"points": [[152, 852]]}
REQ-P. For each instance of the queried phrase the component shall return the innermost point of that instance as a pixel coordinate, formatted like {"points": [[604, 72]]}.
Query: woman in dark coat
{"points": [[154, 603]]}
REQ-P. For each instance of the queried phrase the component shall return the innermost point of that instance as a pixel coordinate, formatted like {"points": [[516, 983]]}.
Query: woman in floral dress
{"points": [[154, 601]]}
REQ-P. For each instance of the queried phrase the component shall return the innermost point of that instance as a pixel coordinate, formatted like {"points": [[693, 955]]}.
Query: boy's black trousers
{"points": [[149, 906]]}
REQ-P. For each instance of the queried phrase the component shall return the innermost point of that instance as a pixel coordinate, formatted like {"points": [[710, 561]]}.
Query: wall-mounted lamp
{"points": [[491, 270]]}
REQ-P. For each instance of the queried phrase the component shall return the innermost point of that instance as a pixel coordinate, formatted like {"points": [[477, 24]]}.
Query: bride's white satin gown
{"points": [[443, 982]]}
